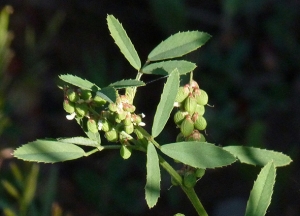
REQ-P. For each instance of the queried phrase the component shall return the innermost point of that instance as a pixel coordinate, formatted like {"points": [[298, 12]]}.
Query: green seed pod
{"points": [[179, 116], [180, 138], [72, 95], [189, 179], [92, 126], [199, 173], [200, 109], [129, 128], [202, 98], [138, 134], [98, 101], [112, 135], [127, 120], [112, 107], [129, 107], [69, 107], [187, 126], [85, 94], [125, 152], [200, 123], [190, 104], [121, 115], [106, 125], [81, 109], [182, 93]]}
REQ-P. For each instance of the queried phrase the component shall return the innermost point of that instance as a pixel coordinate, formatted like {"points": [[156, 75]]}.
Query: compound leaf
{"points": [[198, 154], [261, 193], [178, 45], [122, 40], [166, 103], [260, 157], [48, 151]]}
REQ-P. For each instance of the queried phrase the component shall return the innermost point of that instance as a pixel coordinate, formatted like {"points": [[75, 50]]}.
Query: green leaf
{"points": [[30, 185], [48, 151], [93, 136], [260, 157], [127, 83], [166, 103], [178, 45], [261, 193], [108, 93], [198, 154], [80, 141], [152, 188], [122, 40], [166, 67], [79, 82], [12, 190]]}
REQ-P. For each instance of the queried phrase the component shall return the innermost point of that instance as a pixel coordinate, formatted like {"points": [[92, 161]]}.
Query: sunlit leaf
{"points": [[198, 154], [166, 67], [79, 82], [152, 188], [166, 103], [261, 193], [260, 157], [178, 45], [122, 40], [80, 141], [108, 93], [48, 151], [127, 83]]}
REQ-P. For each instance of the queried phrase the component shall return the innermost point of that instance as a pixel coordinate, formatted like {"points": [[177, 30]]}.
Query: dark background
{"points": [[250, 70]]}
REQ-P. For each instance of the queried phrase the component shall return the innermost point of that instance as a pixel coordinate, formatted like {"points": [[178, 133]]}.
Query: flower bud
{"points": [[202, 98], [69, 107], [72, 95], [112, 135], [189, 179], [190, 104], [98, 101], [81, 109], [92, 126], [182, 93], [85, 94], [179, 116], [200, 123], [187, 126]]}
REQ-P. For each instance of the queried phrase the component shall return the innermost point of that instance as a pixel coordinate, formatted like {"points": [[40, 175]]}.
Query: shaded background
{"points": [[250, 69]]}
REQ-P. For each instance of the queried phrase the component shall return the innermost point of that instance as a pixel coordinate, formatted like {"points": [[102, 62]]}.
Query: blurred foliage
{"points": [[250, 68]]}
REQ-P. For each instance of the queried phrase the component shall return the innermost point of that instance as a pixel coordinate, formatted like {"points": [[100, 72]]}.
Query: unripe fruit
{"points": [[125, 152], [81, 110], [92, 126], [200, 123], [190, 104], [199, 172], [138, 134], [136, 118], [99, 101], [112, 107], [180, 138], [129, 128], [72, 95], [195, 136], [189, 179], [85, 94], [194, 84], [182, 93], [112, 135], [129, 107], [179, 116], [202, 98], [187, 126], [106, 125], [127, 120], [200, 109], [69, 107], [120, 116]]}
